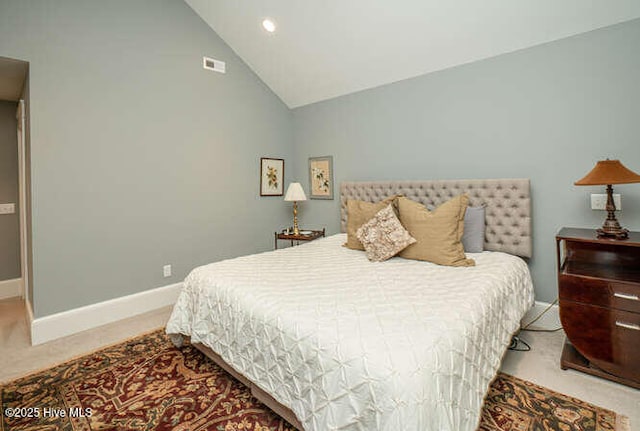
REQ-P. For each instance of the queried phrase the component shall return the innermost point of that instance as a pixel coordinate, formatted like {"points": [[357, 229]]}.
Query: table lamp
{"points": [[608, 172], [295, 194]]}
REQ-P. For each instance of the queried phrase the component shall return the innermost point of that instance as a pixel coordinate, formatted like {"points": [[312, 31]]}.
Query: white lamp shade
{"points": [[295, 193]]}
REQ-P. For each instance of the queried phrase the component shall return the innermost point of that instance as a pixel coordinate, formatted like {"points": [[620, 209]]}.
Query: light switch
{"points": [[7, 208]]}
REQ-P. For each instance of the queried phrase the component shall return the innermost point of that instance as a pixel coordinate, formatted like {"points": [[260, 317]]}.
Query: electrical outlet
{"points": [[599, 201], [7, 208], [166, 270]]}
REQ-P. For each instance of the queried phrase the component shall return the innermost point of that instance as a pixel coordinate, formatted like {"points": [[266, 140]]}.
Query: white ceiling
{"points": [[328, 48], [12, 76]]}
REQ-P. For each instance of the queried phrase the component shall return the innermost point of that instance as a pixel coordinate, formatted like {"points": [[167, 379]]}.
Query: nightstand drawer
{"points": [[626, 296], [612, 342], [602, 292]]}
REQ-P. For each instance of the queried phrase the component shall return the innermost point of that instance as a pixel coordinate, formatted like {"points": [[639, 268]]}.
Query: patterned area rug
{"points": [[148, 384]]}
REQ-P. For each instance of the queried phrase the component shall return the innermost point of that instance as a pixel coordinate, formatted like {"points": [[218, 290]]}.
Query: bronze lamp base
{"points": [[611, 228], [622, 233]]}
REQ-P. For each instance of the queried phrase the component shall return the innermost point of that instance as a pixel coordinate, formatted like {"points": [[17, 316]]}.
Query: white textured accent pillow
{"points": [[383, 236]]}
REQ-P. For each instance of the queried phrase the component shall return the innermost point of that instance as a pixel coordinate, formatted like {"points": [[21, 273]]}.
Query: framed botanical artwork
{"points": [[321, 177], [271, 177]]}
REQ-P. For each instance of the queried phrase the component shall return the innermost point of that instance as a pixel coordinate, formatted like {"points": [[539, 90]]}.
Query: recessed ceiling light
{"points": [[269, 25]]}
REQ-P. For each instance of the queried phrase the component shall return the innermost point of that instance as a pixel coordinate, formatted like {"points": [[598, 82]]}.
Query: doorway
{"points": [[15, 274]]}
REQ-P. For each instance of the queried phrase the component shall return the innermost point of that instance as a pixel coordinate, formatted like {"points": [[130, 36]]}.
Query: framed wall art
{"points": [[321, 177], [271, 177]]}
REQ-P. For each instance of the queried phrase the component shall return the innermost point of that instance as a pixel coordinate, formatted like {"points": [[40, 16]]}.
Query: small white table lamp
{"points": [[295, 194]]}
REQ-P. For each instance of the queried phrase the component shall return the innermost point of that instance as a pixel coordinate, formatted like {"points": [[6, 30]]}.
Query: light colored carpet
{"points": [[19, 357]]}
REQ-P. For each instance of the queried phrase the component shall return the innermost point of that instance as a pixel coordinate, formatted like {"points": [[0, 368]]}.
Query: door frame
{"points": [[22, 199]]}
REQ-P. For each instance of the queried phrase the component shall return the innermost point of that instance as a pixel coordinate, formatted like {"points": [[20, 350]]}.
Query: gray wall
{"points": [[546, 113], [139, 157], [9, 223]]}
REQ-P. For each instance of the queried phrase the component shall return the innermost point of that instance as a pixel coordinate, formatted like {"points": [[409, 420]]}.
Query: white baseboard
{"points": [[11, 288], [550, 320], [58, 325]]}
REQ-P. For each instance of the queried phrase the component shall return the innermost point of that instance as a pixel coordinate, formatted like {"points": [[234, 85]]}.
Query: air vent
{"points": [[213, 64]]}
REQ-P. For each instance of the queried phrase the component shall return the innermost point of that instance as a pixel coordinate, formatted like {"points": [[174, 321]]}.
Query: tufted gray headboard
{"points": [[508, 203]]}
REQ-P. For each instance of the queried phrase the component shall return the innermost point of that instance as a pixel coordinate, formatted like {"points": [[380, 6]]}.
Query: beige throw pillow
{"points": [[358, 213], [383, 236], [438, 232]]}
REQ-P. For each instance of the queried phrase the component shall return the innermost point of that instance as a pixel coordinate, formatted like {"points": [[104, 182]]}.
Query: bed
{"points": [[331, 341]]}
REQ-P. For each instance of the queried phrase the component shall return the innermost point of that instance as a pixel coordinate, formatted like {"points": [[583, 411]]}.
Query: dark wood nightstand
{"points": [[599, 291], [315, 234]]}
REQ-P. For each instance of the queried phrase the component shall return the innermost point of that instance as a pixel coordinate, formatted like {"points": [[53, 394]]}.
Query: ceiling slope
{"points": [[12, 76], [325, 49]]}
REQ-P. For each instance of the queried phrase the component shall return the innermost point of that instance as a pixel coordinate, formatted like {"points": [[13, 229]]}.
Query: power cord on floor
{"points": [[542, 330], [526, 327], [518, 344], [516, 341]]}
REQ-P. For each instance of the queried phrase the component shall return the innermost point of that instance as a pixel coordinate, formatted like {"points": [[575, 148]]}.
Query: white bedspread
{"points": [[348, 344]]}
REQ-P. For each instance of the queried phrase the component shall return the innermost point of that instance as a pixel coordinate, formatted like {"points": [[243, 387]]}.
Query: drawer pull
{"points": [[628, 325], [624, 296]]}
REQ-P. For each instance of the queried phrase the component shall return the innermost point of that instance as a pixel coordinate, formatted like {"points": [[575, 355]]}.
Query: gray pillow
{"points": [[473, 236]]}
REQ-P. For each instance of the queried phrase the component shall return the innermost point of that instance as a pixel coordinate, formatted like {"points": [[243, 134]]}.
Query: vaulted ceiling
{"points": [[12, 77], [328, 48]]}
